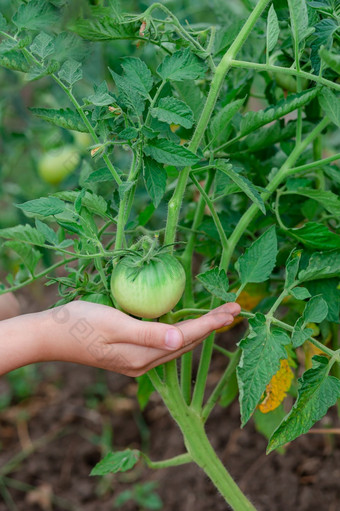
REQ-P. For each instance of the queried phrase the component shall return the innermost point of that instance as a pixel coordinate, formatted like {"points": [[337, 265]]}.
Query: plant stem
{"points": [[123, 205], [189, 248], [181, 459], [285, 70], [197, 443], [313, 165], [215, 87], [234, 360], [251, 213]]}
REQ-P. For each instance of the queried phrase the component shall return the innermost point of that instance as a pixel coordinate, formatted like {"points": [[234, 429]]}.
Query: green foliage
{"points": [[179, 105], [317, 392]]}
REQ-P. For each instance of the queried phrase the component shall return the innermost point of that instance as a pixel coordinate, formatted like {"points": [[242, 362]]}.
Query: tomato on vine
{"points": [[147, 283], [55, 165]]}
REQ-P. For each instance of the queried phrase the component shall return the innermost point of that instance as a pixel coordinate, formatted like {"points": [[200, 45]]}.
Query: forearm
{"points": [[19, 342]]}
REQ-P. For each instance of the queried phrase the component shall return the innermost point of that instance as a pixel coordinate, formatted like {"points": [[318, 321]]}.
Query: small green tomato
{"points": [[56, 164], [147, 288]]}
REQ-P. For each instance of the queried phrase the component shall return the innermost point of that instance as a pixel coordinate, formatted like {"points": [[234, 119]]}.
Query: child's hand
{"points": [[104, 337], [101, 336]]}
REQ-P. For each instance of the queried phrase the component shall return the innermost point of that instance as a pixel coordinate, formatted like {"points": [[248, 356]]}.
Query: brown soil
{"points": [[61, 431]]}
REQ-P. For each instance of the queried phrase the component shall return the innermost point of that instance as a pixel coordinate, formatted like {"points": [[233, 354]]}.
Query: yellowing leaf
{"points": [[277, 389]]}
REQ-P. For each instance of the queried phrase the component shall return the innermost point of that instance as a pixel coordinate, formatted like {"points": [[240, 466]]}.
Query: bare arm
{"points": [[101, 336]]}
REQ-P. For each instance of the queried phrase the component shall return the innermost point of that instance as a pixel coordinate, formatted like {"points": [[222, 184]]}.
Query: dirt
{"points": [[59, 433]]}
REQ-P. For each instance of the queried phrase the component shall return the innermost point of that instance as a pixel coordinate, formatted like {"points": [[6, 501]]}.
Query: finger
{"points": [[154, 335], [195, 329]]}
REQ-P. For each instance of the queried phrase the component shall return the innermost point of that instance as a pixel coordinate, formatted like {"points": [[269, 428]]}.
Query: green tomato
{"points": [[97, 298], [83, 140], [57, 164], [147, 289], [288, 82]]}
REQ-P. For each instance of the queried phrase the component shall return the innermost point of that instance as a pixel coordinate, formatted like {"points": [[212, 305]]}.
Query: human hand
{"points": [[104, 337]]}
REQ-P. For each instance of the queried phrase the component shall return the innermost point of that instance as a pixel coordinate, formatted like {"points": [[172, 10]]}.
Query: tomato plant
{"points": [[194, 145]]}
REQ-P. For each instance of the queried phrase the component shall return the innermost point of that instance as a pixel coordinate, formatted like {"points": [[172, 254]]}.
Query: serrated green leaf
{"points": [[65, 118], [329, 200], [315, 235], [155, 180], [300, 293], [94, 203], [124, 187], [129, 133], [14, 60], [128, 93], [315, 311], [328, 289], [173, 111], [246, 186], [101, 96], [220, 123], [138, 73], [292, 267], [23, 233], [116, 462], [332, 60], [45, 206], [71, 72], [42, 45], [330, 104], [258, 261], [49, 234], [29, 255], [317, 392], [35, 15], [166, 151], [103, 29], [181, 65], [192, 96], [298, 19], [273, 29], [262, 352], [321, 265], [100, 176], [253, 120], [217, 283]]}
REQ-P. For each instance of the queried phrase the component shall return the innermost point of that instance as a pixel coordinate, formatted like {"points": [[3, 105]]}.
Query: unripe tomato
{"points": [[83, 140], [147, 289], [97, 298], [288, 82], [56, 164]]}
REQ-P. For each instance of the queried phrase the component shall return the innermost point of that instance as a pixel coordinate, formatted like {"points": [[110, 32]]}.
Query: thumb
{"points": [[156, 335]]}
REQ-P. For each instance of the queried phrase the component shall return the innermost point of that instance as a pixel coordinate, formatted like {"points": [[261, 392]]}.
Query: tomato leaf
{"points": [[262, 351], [65, 118], [173, 111], [166, 151], [42, 45], [315, 235], [317, 392], [45, 206], [155, 180], [330, 104], [216, 282], [138, 73], [273, 29], [181, 65], [300, 293], [246, 186], [321, 265], [116, 462], [71, 72], [35, 15], [258, 261]]}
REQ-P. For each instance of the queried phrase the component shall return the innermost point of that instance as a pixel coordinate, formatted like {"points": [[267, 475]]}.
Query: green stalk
{"points": [[189, 247], [215, 87], [217, 221], [198, 446], [181, 459], [313, 165], [251, 213], [231, 368], [243, 64], [124, 205]]}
